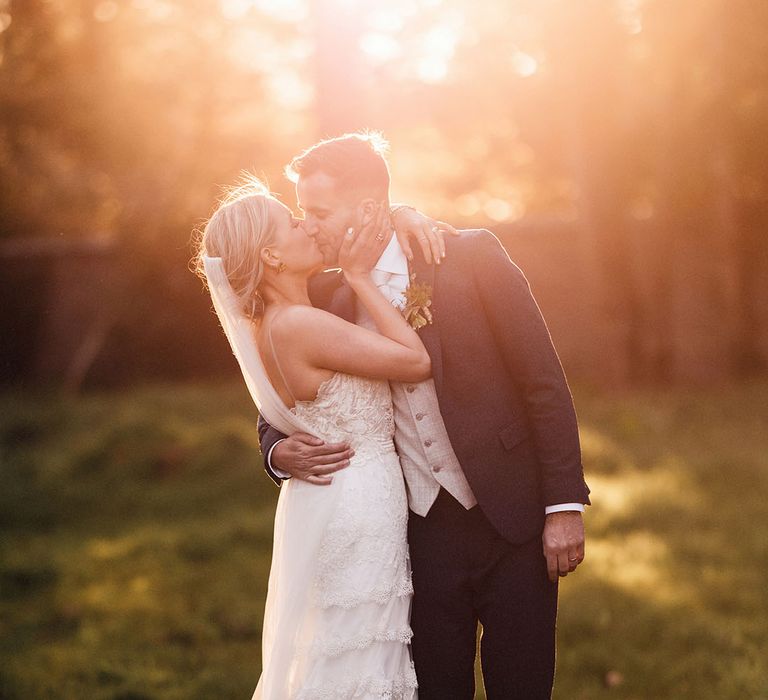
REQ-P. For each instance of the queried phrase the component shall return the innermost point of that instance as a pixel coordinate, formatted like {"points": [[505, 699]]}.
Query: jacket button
{"points": [[419, 416], [410, 389], [436, 468], [427, 443]]}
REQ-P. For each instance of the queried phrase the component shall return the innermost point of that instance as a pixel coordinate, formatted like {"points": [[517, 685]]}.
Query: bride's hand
{"points": [[360, 250], [429, 233]]}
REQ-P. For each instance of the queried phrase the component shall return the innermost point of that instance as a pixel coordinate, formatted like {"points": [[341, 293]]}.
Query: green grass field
{"points": [[136, 532]]}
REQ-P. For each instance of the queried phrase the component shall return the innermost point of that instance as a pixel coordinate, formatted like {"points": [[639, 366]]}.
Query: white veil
{"points": [[290, 615], [239, 331]]}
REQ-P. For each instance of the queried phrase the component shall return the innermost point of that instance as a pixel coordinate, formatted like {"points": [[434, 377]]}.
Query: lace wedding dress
{"points": [[336, 624], [338, 603]]}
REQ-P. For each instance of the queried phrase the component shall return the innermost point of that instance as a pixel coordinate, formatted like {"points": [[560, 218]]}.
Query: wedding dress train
{"points": [[336, 624]]}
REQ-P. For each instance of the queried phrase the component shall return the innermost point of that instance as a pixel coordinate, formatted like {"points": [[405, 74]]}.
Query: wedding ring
{"points": [[576, 559], [435, 229]]}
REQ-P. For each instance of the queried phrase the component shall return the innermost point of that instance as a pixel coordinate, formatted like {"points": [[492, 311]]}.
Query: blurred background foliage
{"points": [[616, 146]]}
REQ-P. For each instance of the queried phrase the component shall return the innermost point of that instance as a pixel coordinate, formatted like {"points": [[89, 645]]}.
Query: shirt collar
{"points": [[393, 258]]}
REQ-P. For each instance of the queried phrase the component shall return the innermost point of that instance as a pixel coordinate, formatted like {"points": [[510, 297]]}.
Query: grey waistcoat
{"points": [[426, 454]]}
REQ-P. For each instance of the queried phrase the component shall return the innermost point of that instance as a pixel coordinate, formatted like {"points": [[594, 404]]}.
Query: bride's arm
{"points": [[320, 340], [409, 223], [357, 256]]}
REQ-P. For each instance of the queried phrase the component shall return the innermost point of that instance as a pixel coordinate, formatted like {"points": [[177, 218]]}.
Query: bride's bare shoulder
{"points": [[300, 319]]}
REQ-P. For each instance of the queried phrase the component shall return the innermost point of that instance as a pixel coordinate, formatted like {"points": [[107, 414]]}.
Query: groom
{"points": [[489, 446]]}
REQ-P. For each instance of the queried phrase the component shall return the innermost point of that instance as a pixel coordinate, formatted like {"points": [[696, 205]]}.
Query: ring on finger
{"points": [[379, 236], [435, 229]]}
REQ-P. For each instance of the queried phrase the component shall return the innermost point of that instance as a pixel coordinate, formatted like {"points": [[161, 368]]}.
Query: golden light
{"points": [[468, 205], [432, 69], [509, 209], [105, 11], [379, 47], [631, 15], [387, 19], [247, 50], [287, 10], [438, 49], [386, 38], [524, 65], [290, 89], [235, 9], [157, 10], [388, 33]]}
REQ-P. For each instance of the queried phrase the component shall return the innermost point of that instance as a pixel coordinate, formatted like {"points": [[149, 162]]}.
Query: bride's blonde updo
{"points": [[237, 232]]}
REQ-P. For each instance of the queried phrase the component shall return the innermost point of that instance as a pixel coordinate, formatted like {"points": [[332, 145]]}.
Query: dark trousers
{"points": [[464, 571]]}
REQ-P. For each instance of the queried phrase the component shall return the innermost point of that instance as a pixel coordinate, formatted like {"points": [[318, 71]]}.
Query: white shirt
{"points": [[393, 259], [390, 274]]}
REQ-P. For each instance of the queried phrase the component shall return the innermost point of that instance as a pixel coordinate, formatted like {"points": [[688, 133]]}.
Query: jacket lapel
{"points": [[421, 272]]}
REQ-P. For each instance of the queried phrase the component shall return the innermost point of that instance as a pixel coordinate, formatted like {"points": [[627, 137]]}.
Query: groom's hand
{"points": [[311, 459], [563, 541]]}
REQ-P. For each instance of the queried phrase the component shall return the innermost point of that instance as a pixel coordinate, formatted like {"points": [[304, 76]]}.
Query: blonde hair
{"points": [[237, 232]]}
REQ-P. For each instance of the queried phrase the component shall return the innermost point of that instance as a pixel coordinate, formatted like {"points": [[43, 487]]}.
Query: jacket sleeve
{"points": [[268, 436], [524, 340]]}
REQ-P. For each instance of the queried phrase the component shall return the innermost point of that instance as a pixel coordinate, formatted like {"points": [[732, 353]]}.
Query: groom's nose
{"points": [[310, 227]]}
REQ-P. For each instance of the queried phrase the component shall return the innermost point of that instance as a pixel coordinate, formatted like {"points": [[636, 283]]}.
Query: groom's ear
{"points": [[367, 210]]}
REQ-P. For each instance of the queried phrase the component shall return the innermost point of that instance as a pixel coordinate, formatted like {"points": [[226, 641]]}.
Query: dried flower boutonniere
{"points": [[418, 299]]}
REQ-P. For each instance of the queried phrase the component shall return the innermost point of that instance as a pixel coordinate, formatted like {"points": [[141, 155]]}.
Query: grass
{"points": [[135, 540]]}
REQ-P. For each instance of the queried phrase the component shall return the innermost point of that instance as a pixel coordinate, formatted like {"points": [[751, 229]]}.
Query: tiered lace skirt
{"points": [[336, 624]]}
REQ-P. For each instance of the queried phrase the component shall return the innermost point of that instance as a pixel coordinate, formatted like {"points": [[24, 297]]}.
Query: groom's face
{"points": [[328, 212]]}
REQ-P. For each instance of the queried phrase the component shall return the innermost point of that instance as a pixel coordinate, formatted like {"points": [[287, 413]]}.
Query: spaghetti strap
{"points": [[277, 361]]}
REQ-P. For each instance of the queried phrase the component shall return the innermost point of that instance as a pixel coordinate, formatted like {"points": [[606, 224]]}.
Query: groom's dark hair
{"points": [[354, 160]]}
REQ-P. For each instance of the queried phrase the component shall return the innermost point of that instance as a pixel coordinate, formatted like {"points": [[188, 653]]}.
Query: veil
{"points": [[239, 332], [290, 614]]}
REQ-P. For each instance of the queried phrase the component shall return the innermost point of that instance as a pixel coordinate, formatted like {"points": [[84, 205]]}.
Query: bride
{"points": [[336, 623]]}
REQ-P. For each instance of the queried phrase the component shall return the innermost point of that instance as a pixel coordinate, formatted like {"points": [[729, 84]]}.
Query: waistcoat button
{"points": [[427, 443], [410, 389], [436, 468], [419, 416]]}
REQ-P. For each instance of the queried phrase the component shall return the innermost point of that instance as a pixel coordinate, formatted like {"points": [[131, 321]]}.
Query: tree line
{"points": [[636, 126]]}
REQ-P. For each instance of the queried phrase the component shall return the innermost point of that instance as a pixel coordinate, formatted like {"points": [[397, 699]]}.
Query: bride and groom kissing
{"points": [[429, 479]]}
